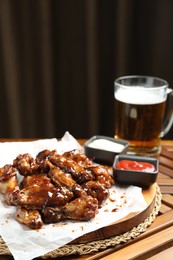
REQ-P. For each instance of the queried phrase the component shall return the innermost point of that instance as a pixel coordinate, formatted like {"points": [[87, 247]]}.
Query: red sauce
{"points": [[135, 166]]}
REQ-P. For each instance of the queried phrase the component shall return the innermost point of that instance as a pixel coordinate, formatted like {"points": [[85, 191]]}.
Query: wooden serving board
{"points": [[125, 224]]}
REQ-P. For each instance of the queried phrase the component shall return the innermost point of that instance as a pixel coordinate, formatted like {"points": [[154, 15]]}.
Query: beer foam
{"points": [[140, 96]]}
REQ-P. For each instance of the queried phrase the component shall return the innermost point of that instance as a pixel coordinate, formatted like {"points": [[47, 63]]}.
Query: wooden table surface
{"points": [[157, 241]]}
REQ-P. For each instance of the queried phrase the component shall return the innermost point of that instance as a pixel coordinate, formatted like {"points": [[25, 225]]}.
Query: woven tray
{"points": [[82, 249]]}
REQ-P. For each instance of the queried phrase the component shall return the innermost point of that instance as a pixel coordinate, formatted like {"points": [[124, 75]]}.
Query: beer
{"points": [[139, 116]]}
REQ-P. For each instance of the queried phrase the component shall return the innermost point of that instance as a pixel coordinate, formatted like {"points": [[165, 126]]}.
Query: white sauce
{"points": [[107, 145]]}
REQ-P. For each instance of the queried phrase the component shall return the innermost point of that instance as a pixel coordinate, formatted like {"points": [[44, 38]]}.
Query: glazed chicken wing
{"points": [[8, 182], [96, 190], [26, 164], [38, 191], [102, 175], [44, 155], [31, 218], [42, 159], [8, 178], [81, 209], [78, 157], [61, 178], [79, 173]]}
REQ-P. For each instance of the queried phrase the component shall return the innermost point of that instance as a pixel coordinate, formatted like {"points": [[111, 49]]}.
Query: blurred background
{"points": [[59, 60]]}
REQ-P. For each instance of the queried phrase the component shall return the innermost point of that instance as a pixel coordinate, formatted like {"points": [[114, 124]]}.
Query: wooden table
{"points": [[157, 241]]}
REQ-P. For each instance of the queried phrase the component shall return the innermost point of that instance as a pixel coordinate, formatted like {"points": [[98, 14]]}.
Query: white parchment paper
{"points": [[27, 244]]}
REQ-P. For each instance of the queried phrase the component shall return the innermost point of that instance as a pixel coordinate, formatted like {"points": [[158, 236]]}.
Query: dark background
{"points": [[59, 60]]}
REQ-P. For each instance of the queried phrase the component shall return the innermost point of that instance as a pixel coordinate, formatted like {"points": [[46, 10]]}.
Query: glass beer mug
{"points": [[144, 112]]}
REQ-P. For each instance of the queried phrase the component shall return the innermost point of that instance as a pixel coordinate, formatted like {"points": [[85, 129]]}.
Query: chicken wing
{"points": [[79, 173], [61, 178], [96, 190], [78, 157], [26, 164], [102, 175], [31, 218], [80, 209], [38, 191], [8, 178]]}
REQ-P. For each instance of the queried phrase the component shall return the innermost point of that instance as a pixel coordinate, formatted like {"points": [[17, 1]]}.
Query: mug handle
{"points": [[168, 117]]}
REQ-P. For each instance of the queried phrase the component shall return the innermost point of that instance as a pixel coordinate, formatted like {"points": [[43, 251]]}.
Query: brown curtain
{"points": [[59, 60]]}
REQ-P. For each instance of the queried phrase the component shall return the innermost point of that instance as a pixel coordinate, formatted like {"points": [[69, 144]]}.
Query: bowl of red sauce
{"points": [[135, 170]]}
